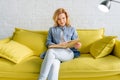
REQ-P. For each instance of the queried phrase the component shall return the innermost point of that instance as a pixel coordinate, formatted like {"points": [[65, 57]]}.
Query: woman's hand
{"points": [[63, 44], [77, 45]]}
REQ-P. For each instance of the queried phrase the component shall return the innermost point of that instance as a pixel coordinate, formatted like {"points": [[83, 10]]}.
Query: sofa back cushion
{"points": [[35, 40], [3, 41], [89, 36], [116, 50]]}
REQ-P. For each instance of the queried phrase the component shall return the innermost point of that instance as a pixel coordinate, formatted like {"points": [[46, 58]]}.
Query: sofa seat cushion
{"points": [[87, 66], [84, 66], [30, 64]]}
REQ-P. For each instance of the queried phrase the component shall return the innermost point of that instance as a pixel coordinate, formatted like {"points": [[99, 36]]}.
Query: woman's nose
{"points": [[61, 21]]}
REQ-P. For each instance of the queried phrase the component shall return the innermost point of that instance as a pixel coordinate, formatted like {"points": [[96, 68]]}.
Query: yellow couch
{"points": [[99, 59]]}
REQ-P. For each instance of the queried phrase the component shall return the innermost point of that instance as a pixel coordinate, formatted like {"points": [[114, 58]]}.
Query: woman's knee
{"points": [[50, 53], [50, 50]]}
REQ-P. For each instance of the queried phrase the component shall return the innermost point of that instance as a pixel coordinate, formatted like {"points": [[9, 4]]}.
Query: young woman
{"points": [[59, 35]]}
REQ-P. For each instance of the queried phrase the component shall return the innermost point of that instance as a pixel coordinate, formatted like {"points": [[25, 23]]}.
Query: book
{"points": [[69, 44]]}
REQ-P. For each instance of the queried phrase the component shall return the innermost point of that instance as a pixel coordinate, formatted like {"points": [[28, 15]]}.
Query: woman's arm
{"points": [[50, 38], [75, 36]]}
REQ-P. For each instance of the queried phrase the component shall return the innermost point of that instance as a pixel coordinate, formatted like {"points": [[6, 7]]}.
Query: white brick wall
{"points": [[37, 15]]}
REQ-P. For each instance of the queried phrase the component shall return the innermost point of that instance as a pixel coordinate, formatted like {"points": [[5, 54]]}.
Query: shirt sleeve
{"points": [[49, 38], [74, 35]]}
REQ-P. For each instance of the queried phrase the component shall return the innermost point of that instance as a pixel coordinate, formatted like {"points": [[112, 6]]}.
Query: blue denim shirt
{"points": [[54, 34], [54, 37]]}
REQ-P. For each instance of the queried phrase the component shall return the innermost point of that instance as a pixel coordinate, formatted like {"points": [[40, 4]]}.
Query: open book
{"points": [[68, 45]]}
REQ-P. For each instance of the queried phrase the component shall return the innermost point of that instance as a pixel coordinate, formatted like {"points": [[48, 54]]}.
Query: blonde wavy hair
{"points": [[56, 14]]}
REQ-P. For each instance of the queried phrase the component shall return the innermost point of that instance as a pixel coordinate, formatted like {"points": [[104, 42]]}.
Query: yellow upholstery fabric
{"points": [[112, 77], [116, 51], [30, 64], [102, 47], [2, 41], [82, 67], [33, 39], [15, 51], [88, 36], [87, 66], [36, 39]]}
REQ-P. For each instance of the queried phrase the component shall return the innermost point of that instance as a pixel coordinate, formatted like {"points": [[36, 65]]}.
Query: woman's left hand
{"points": [[77, 45]]}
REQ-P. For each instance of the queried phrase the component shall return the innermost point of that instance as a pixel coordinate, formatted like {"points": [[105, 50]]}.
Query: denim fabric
{"points": [[54, 37], [54, 34], [76, 52]]}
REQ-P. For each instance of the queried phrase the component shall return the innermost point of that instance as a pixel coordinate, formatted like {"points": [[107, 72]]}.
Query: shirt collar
{"points": [[63, 28]]}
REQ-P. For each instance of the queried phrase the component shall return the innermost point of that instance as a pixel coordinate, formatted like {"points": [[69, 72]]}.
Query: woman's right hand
{"points": [[77, 45]]}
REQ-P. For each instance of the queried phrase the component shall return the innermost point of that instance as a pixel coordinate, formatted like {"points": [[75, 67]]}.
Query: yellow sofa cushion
{"points": [[102, 47], [5, 40], [84, 66], [15, 51], [36, 40], [30, 64], [87, 66], [88, 36], [116, 51]]}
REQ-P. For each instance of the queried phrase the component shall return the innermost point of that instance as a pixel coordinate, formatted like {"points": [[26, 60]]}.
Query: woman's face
{"points": [[61, 19]]}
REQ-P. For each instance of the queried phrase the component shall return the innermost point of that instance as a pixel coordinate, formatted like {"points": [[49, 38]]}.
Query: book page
{"points": [[71, 43], [68, 45]]}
